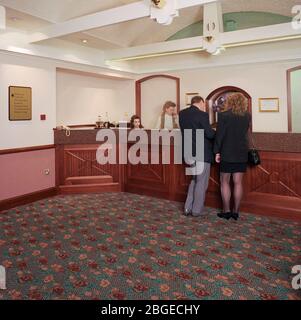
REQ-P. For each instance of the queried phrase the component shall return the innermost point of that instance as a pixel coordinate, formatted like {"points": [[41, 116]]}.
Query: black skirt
{"points": [[231, 167]]}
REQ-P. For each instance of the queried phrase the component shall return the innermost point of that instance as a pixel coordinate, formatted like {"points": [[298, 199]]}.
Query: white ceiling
{"points": [[283, 7], [144, 31], [62, 10], [20, 20], [32, 15]]}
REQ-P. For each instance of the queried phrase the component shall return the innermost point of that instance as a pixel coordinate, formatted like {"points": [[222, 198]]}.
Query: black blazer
{"points": [[232, 137], [193, 118]]}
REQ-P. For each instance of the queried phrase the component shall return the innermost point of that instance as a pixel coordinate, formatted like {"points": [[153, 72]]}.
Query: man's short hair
{"points": [[197, 99]]}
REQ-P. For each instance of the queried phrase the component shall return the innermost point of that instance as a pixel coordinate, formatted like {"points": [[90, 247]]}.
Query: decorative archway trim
{"points": [[225, 89], [138, 90]]}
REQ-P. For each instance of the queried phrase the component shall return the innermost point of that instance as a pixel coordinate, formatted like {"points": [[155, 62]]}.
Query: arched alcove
{"points": [[215, 100], [139, 92]]}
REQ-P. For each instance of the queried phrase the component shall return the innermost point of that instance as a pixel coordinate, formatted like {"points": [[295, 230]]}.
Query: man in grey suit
{"points": [[193, 118]]}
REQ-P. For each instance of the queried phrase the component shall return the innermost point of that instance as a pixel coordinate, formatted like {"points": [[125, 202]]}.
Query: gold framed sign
{"points": [[269, 105], [20, 103], [189, 96]]}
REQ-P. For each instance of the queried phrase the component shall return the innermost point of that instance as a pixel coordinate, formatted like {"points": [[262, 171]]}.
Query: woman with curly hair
{"points": [[231, 150]]}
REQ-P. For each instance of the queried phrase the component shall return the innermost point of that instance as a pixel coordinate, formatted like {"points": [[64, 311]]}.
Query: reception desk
{"points": [[272, 189]]}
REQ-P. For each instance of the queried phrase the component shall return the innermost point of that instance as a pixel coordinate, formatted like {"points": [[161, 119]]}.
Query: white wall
{"points": [[260, 80], [80, 98], [24, 71], [154, 93]]}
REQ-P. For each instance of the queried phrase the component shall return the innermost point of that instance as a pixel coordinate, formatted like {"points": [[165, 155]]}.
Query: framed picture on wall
{"points": [[20, 103], [189, 96], [269, 105]]}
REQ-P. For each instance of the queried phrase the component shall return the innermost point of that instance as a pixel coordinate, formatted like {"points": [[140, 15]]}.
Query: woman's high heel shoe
{"points": [[235, 216], [225, 215]]}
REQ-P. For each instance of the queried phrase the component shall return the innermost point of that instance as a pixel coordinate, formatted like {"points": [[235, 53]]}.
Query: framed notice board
{"points": [[269, 105], [20, 103]]}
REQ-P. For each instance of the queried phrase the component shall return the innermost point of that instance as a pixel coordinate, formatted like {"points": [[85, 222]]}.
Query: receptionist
{"points": [[169, 118]]}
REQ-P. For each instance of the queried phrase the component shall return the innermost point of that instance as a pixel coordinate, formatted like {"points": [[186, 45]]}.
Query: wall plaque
{"points": [[189, 96], [20, 103], [269, 105]]}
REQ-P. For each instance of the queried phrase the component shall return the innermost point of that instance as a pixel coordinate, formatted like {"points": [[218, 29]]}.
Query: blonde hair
{"points": [[168, 104], [237, 103]]}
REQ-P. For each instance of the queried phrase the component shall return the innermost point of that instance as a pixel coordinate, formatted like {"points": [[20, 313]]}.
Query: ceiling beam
{"points": [[22, 8], [132, 11], [228, 39]]}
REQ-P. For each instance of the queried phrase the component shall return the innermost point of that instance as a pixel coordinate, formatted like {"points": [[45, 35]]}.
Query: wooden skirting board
{"points": [[27, 198]]}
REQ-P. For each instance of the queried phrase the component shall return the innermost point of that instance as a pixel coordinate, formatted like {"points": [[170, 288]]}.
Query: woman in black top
{"points": [[136, 122], [231, 149]]}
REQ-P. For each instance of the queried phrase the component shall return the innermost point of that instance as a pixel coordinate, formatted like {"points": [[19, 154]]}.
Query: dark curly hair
{"points": [[133, 118]]}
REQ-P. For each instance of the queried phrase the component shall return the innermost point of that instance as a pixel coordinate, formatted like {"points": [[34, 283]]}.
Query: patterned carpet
{"points": [[125, 246]]}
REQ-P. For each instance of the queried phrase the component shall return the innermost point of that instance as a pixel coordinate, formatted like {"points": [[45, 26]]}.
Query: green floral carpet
{"points": [[125, 246]]}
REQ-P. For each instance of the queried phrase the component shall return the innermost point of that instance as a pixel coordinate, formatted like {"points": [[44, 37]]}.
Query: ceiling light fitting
{"points": [[164, 11]]}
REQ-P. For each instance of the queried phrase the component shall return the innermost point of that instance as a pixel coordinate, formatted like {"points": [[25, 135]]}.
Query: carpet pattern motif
{"points": [[125, 246]]}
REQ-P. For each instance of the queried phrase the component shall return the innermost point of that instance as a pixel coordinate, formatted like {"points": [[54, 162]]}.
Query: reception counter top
{"points": [[277, 142], [273, 188], [280, 142]]}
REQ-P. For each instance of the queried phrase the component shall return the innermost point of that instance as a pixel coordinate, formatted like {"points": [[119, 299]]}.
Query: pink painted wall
{"points": [[23, 173]]}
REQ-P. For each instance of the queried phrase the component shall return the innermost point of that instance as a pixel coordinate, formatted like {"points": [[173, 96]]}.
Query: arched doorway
{"points": [[216, 99]]}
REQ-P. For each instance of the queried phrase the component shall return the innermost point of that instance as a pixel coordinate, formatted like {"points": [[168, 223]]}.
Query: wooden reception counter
{"points": [[273, 188]]}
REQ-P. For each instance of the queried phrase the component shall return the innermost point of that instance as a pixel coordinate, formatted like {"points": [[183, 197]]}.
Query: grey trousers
{"points": [[197, 191]]}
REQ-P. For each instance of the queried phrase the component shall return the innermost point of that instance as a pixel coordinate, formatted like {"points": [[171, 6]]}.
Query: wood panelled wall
{"points": [[80, 161], [272, 189]]}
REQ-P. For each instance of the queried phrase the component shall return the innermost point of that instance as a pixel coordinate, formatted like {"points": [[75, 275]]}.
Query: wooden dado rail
{"points": [[26, 149], [273, 188]]}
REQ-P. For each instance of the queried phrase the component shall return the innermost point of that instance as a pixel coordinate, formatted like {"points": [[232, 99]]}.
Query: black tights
{"points": [[226, 190]]}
